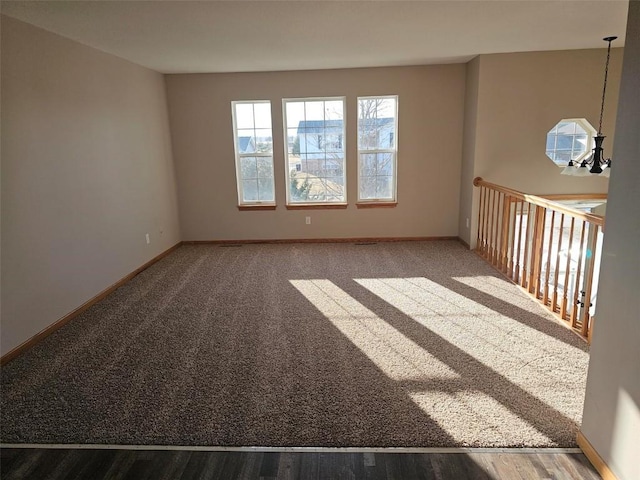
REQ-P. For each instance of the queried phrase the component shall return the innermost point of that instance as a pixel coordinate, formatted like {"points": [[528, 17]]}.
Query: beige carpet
{"points": [[390, 344]]}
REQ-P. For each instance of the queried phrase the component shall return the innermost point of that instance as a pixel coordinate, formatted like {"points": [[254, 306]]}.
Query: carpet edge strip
{"points": [[203, 448]]}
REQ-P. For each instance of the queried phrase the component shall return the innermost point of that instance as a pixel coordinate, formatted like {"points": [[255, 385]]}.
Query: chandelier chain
{"points": [[604, 88]]}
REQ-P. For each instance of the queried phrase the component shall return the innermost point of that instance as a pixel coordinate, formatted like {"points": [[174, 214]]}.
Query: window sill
{"points": [[246, 208], [376, 204], [317, 206]]}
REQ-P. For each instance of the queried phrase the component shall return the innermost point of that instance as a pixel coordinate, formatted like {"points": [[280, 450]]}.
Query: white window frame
{"points": [[240, 155], [587, 127], [393, 151], [302, 204]]}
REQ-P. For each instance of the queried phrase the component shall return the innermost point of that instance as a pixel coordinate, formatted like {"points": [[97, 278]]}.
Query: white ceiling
{"points": [[241, 36]]}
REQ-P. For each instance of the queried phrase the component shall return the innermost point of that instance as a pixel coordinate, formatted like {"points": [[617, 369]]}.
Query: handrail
{"points": [[573, 196], [549, 203], [549, 248]]}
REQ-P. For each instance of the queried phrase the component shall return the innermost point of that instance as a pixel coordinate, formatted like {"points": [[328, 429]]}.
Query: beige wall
{"points": [[86, 172], [469, 147], [521, 96], [431, 103], [611, 420]]}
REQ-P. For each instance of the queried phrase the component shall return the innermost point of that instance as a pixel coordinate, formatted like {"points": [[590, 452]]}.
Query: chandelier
{"points": [[594, 164]]}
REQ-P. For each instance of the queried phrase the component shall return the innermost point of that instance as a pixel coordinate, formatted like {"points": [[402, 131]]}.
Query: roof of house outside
{"points": [[243, 143]]}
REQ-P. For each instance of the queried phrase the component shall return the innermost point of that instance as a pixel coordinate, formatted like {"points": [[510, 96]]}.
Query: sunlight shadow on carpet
{"points": [[458, 408], [498, 341], [396, 355], [473, 414]]}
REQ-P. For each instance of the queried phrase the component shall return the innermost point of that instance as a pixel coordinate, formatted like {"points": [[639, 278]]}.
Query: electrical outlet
{"points": [[467, 223], [307, 220], [148, 238]]}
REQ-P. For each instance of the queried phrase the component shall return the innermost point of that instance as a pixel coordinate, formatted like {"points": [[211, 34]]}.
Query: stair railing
{"points": [[548, 248]]}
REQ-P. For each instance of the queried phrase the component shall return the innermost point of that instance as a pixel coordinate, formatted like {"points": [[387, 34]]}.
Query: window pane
{"points": [[334, 110], [367, 187], [244, 115], [384, 187], [387, 108], [318, 189], [262, 115], [564, 142], [253, 135], [295, 113], [265, 189], [335, 189], [250, 190], [579, 130], [551, 142], [263, 141], [316, 150], [314, 110], [246, 141], [299, 187], [566, 128], [335, 167], [580, 143], [302, 139], [248, 167], [293, 141], [368, 164], [377, 135], [304, 163], [265, 167], [385, 164]]}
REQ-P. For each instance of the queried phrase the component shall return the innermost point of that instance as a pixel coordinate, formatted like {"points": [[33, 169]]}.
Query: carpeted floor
{"points": [[388, 344]]}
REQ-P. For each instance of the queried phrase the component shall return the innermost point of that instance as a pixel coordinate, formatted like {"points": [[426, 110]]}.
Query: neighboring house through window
{"points": [[315, 166], [377, 148], [253, 142]]}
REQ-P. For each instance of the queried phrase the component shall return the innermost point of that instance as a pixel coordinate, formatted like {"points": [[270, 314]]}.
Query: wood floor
{"points": [[95, 464]]}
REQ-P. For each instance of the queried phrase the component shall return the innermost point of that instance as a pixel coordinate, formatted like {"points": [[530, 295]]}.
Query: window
{"points": [[570, 139], [254, 152], [377, 148], [315, 166]]}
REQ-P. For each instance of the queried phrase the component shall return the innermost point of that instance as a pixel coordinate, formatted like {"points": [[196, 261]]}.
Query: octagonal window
{"points": [[570, 139]]}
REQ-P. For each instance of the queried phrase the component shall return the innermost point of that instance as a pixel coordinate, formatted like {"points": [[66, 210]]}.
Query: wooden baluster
{"points": [[590, 262], [497, 260], [496, 233], [537, 250], [487, 230], [545, 295], [525, 259], [492, 253], [578, 282], [554, 301], [485, 239], [519, 205], [513, 206], [480, 236], [504, 252], [487, 247], [491, 238], [567, 272]]}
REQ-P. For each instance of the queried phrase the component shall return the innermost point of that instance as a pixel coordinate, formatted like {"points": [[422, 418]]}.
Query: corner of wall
{"points": [[466, 220]]}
